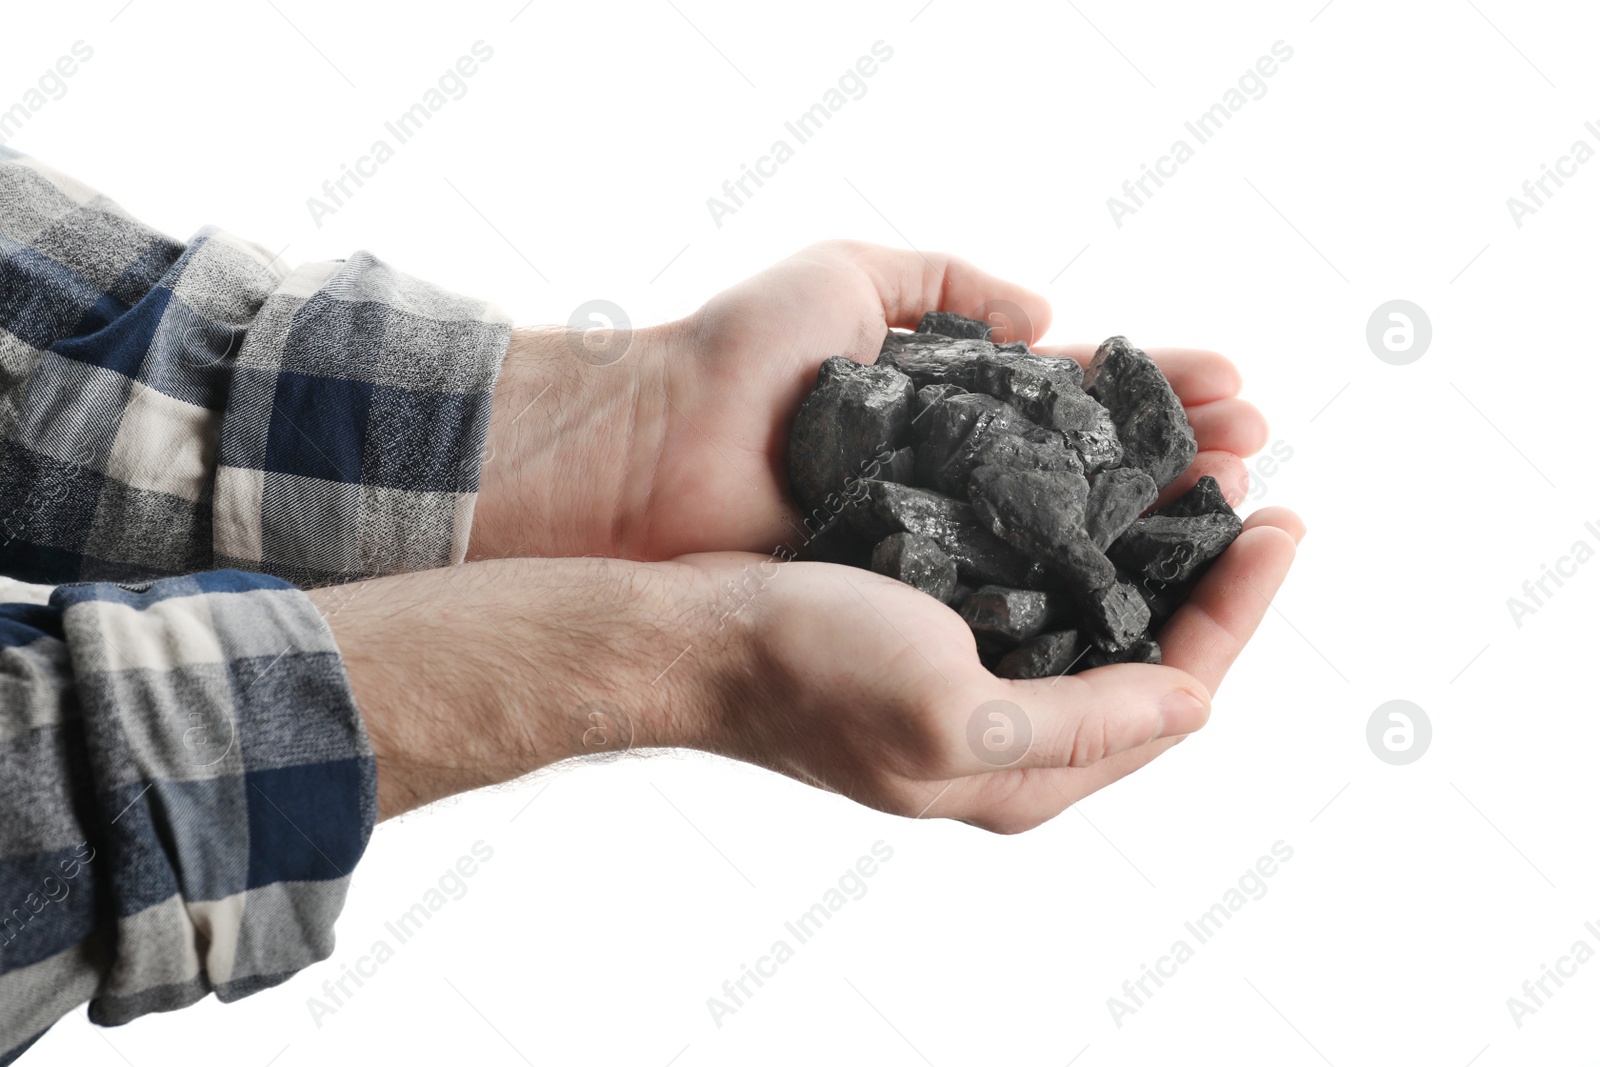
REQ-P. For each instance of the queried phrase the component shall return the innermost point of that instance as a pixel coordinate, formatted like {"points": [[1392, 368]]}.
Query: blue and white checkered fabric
{"points": [[187, 434], [186, 787], [168, 408]]}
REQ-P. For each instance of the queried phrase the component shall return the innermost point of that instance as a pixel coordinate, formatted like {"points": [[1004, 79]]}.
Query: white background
{"points": [[1377, 166]]}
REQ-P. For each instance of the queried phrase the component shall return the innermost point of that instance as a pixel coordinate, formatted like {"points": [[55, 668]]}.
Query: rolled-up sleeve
{"points": [[187, 787], [168, 408], [190, 432]]}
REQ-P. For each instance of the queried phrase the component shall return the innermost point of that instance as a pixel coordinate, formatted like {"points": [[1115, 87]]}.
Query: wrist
{"points": [[575, 430]]}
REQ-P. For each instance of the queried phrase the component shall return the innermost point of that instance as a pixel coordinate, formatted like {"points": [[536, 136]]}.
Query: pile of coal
{"points": [[1013, 487]]}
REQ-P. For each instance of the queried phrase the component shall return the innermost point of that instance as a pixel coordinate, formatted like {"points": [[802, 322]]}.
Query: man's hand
{"points": [[837, 677], [679, 446], [871, 689], [841, 678]]}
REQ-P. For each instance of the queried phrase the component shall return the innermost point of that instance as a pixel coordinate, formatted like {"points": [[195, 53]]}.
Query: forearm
{"points": [[476, 675]]}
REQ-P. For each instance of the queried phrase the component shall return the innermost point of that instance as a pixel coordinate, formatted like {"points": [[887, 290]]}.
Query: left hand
{"points": [[680, 445]]}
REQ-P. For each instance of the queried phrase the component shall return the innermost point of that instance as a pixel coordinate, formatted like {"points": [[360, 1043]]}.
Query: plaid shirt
{"points": [[187, 434]]}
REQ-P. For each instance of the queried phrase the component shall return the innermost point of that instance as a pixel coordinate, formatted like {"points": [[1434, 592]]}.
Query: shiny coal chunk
{"points": [[1143, 650], [1027, 379], [1203, 498], [950, 435], [1173, 548], [1116, 613], [1150, 421], [1116, 498], [929, 397], [1009, 485], [1041, 513], [944, 417], [949, 324], [1098, 448], [980, 558], [929, 359], [1166, 557], [1038, 450], [1048, 391], [887, 508], [1011, 615], [1045, 656], [854, 414], [901, 467], [917, 561], [1162, 598]]}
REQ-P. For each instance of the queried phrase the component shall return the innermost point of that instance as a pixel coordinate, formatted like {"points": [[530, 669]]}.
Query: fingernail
{"points": [[1183, 713]]}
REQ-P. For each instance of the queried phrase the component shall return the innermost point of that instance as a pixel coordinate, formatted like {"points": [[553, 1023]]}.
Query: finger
{"points": [[1197, 376], [1231, 425], [1016, 800], [1282, 518], [1078, 720], [1209, 631], [912, 283], [1204, 638], [1049, 793], [1225, 467], [1093, 779]]}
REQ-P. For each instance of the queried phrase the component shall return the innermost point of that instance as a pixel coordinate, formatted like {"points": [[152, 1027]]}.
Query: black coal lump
{"points": [[1116, 614], [1203, 498], [1045, 656], [917, 561], [1031, 382], [943, 424], [1041, 513], [901, 467], [1011, 486], [1168, 550], [854, 414], [1116, 498], [1036, 450], [1099, 448], [1150, 422], [1012, 615], [1048, 391], [949, 324], [928, 398], [929, 359], [887, 508], [1173, 548], [948, 434], [1141, 651], [1163, 599]]}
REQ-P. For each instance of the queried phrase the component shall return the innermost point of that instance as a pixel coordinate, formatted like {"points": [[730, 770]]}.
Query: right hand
{"points": [[868, 688], [473, 675]]}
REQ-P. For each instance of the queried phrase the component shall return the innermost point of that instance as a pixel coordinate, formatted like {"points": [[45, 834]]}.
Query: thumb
{"points": [[1078, 720], [911, 283]]}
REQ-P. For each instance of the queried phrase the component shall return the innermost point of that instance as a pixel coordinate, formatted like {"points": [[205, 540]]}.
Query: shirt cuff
{"points": [[234, 784], [353, 433]]}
